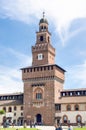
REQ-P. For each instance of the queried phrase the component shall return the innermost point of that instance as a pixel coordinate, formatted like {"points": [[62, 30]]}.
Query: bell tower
{"points": [[43, 53]]}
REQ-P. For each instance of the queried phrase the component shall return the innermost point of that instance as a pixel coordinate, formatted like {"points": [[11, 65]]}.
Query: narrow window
{"points": [[41, 38], [68, 108], [38, 95], [9, 109], [14, 108], [76, 107]]}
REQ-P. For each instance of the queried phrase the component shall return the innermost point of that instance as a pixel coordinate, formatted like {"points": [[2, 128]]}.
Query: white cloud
{"points": [[10, 80], [11, 77], [76, 75], [22, 58], [61, 12], [69, 35]]}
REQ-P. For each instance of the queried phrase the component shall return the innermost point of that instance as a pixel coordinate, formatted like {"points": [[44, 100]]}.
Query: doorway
{"points": [[39, 119]]}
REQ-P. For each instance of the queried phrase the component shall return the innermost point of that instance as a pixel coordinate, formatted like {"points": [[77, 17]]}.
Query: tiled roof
{"points": [[11, 102], [74, 99], [77, 89], [9, 94]]}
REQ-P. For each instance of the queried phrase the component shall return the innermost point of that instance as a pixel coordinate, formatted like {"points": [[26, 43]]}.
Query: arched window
{"points": [[4, 108], [65, 118], [68, 107], [76, 107], [9, 109], [44, 28], [15, 108], [41, 38], [21, 107], [41, 28], [78, 119], [38, 94]]}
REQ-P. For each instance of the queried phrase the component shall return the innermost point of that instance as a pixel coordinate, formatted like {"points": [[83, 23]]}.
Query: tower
{"points": [[43, 81], [43, 53]]}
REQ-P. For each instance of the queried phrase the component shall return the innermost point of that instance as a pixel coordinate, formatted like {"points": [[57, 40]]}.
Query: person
{"points": [[56, 127], [69, 127], [34, 124], [30, 124], [60, 127]]}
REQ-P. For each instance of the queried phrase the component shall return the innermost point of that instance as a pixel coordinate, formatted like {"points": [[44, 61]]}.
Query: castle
{"points": [[44, 100]]}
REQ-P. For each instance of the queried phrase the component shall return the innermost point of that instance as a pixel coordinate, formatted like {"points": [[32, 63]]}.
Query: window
{"points": [[38, 95], [21, 107], [78, 93], [44, 28], [41, 28], [58, 107], [14, 108], [41, 38], [24, 70], [63, 94], [48, 39], [14, 114], [51, 67], [9, 109], [4, 108], [76, 107], [65, 119], [71, 93], [78, 119], [4, 98], [68, 108], [21, 114]]}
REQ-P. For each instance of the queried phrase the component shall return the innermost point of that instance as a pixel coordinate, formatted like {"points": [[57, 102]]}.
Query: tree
{"points": [[2, 112]]}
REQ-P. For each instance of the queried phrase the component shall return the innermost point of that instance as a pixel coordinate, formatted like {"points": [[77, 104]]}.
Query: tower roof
{"points": [[43, 20]]}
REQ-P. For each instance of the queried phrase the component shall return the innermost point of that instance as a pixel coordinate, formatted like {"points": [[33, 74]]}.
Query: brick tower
{"points": [[43, 81]]}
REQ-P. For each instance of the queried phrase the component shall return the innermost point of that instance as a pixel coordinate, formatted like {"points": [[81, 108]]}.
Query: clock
{"points": [[40, 56]]}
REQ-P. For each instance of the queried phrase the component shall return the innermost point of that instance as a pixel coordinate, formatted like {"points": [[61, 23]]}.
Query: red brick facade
{"points": [[43, 81]]}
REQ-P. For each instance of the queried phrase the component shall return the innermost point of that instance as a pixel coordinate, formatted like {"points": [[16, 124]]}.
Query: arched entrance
{"points": [[39, 119]]}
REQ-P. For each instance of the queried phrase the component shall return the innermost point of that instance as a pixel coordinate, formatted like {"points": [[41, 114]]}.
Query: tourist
{"points": [[69, 127], [56, 127]]}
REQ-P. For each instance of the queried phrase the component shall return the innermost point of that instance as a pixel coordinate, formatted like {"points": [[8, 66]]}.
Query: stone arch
{"points": [[39, 119], [78, 119], [65, 118], [68, 107]]}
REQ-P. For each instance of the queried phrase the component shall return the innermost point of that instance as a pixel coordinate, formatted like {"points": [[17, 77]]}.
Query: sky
{"points": [[19, 21]]}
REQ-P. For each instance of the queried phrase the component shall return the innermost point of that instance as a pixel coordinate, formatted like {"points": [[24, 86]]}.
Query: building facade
{"points": [[12, 104], [44, 99]]}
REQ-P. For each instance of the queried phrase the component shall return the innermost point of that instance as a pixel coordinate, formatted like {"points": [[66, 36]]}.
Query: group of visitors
{"points": [[58, 127]]}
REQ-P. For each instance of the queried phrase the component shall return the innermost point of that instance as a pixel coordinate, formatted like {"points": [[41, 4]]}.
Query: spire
{"points": [[43, 15]]}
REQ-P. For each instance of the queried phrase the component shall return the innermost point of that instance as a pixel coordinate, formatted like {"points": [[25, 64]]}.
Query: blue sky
{"points": [[19, 20]]}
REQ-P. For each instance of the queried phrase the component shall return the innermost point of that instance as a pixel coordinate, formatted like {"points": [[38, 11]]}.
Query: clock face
{"points": [[40, 56]]}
